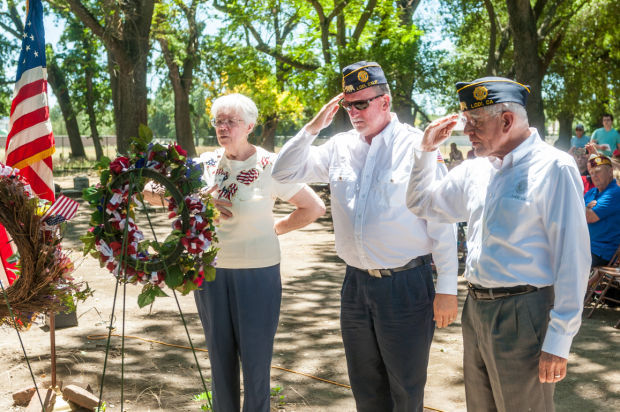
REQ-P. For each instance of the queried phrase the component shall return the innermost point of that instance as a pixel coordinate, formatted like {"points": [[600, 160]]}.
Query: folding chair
{"points": [[606, 278]]}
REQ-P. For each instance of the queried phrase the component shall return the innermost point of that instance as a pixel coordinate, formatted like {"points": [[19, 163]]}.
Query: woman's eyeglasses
{"points": [[358, 104], [229, 123]]}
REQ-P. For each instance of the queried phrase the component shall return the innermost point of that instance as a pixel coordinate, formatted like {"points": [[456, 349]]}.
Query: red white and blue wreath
{"points": [[187, 256]]}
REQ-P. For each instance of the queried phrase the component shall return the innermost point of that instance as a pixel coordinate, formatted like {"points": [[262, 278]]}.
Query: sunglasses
{"points": [[358, 104]]}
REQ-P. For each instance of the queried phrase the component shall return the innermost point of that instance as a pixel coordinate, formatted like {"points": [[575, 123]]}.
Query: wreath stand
{"points": [[133, 178], [42, 265]]}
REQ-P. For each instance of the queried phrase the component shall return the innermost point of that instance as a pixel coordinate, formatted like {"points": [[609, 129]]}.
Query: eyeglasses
{"points": [[229, 123], [358, 104]]}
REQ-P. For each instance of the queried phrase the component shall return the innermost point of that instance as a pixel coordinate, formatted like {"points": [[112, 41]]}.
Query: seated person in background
{"points": [[455, 155], [603, 211], [581, 158], [579, 140]]}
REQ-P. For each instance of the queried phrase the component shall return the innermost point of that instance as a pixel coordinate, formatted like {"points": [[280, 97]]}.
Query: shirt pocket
{"points": [[391, 188], [511, 216], [343, 183]]}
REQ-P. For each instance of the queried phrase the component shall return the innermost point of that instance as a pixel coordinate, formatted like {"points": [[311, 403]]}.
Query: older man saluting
{"points": [[528, 243], [388, 298]]}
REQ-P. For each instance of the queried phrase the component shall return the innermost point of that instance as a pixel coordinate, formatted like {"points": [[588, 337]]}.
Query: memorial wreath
{"points": [[43, 281], [186, 257]]}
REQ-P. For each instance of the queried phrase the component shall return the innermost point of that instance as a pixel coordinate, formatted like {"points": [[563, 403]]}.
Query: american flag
{"points": [[30, 142], [63, 209]]}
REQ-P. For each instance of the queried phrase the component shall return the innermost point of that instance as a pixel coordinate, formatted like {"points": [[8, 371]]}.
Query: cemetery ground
{"points": [[165, 378]]}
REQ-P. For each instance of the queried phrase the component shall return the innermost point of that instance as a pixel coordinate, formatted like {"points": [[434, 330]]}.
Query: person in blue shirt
{"points": [[579, 140], [607, 138], [603, 211]]}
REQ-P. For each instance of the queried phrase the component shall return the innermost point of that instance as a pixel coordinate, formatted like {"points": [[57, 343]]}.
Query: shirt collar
{"points": [[517, 153], [387, 134]]}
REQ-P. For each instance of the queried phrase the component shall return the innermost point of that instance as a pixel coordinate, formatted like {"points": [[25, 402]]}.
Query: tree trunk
{"points": [[566, 130], [126, 38], [56, 79], [90, 108], [529, 67], [181, 88], [267, 138]]}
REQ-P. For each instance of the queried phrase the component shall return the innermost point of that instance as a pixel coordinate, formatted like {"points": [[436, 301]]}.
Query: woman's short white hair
{"points": [[242, 105]]}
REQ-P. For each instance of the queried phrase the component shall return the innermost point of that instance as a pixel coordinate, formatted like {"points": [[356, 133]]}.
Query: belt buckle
{"points": [[374, 273]]}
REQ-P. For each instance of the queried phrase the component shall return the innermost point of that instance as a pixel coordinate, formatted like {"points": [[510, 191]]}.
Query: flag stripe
{"points": [[29, 76], [28, 91], [29, 151], [29, 135], [28, 120], [28, 105], [63, 206]]}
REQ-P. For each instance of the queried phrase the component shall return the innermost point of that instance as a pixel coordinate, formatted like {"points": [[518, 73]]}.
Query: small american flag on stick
{"points": [[63, 209]]}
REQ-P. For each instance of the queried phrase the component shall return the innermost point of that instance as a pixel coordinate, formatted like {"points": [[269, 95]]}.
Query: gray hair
{"points": [[384, 88], [242, 105], [497, 109]]}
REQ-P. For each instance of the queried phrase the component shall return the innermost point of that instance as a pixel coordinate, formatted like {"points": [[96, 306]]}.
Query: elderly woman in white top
{"points": [[240, 309]]}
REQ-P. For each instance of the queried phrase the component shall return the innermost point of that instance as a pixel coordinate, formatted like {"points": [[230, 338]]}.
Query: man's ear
{"points": [[508, 121]]}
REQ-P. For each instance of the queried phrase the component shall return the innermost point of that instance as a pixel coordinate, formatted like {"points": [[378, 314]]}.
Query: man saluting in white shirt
{"points": [[388, 299], [528, 246]]}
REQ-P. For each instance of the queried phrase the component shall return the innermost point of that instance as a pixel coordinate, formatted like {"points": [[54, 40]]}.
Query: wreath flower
{"points": [[187, 257]]}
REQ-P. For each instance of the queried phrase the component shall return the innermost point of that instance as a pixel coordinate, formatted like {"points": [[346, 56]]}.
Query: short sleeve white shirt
{"points": [[247, 239]]}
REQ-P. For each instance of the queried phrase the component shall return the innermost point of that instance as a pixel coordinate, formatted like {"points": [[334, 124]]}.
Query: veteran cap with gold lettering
{"points": [[360, 75], [599, 160], [491, 90]]}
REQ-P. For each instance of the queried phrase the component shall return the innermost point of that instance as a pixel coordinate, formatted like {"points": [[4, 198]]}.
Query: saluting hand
{"points": [[438, 132], [324, 117]]}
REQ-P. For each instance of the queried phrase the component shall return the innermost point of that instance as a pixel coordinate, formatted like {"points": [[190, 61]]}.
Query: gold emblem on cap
{"points": [[349, 88], [362, 76], [481, 92], [463, 106]]}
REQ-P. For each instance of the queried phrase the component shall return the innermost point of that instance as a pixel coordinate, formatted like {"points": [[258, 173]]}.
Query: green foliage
{"points": [[148, 295], [204, 396], [276, 393]]}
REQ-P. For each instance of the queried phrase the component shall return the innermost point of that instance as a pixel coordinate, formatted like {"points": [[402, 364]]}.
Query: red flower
{"points": [[180, 150], [119, 165]]}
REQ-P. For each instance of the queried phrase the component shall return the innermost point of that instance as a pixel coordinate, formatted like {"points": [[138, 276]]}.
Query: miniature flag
{"points": [[63, 209]]}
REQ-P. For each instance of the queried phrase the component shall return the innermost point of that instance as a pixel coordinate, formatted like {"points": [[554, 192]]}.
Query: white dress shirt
{"points": [[372, 225], [526, 224]]}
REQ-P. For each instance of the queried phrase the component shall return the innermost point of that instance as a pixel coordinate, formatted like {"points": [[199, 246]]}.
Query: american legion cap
{"points": [[599, 160], [491, 90], [360, 75]]}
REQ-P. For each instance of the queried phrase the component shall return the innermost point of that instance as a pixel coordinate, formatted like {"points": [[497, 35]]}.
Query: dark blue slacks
{"points": [[239, 312], [387, 328]]}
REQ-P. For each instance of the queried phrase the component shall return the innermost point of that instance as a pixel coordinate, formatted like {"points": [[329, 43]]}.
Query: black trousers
{"points": [[387, 328]]}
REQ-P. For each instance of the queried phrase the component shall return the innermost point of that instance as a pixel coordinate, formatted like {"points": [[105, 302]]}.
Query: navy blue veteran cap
{"points": [[491, 90], [360, 75]]}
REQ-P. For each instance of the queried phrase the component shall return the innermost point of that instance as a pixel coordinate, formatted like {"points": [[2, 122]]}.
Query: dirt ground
{"points": [[165, 378]]}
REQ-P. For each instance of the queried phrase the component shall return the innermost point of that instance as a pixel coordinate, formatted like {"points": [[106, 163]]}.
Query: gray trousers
{"points": [[387, 328], [239, 312], [502, 340]]}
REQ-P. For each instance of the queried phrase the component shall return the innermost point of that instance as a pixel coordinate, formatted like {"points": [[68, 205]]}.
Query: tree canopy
{"points": [[162, 63]]}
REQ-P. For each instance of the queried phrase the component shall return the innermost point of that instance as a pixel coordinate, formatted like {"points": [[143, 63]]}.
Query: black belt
{"points": [[480, 293], [413, 263]]}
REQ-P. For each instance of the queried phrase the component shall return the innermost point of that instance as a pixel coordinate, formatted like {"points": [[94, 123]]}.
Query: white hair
{"points": [[242, 105], [497, 109]]}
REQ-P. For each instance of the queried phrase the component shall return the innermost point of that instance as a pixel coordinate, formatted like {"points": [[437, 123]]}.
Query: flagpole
{"points": [[51, 315]]}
